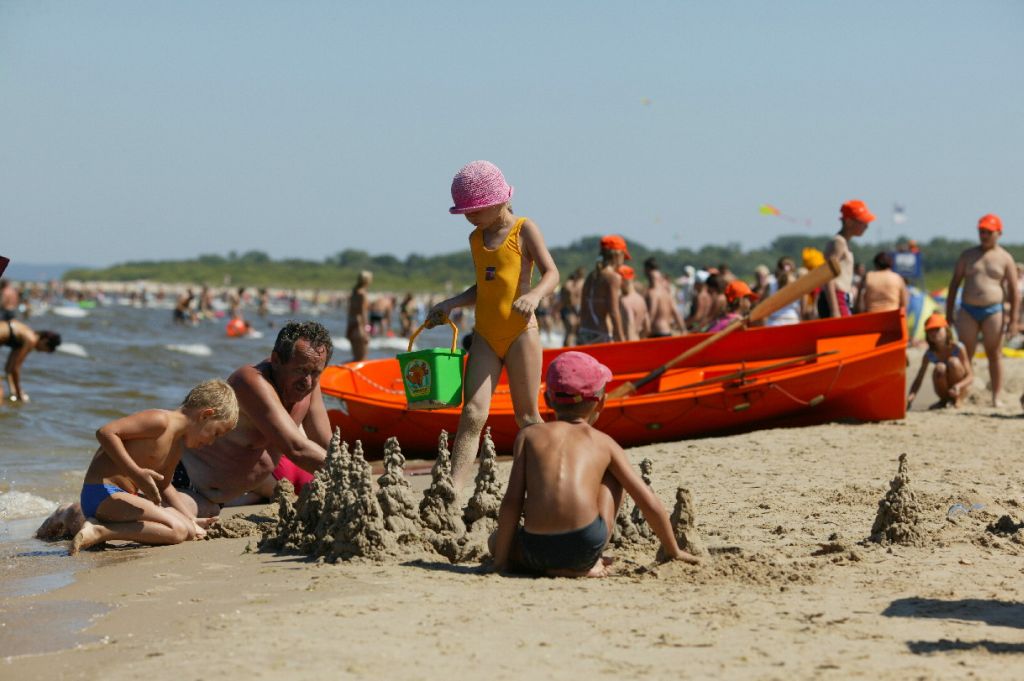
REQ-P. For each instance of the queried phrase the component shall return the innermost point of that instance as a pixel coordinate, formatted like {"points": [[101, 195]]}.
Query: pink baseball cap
{"points": [[478, 185], [575, 377]]}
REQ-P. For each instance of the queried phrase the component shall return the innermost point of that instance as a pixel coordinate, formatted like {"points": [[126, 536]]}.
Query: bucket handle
{"points": [[455, 334]]}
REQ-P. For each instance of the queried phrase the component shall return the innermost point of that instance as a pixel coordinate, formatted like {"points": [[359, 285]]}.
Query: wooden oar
{"points": [[743, 373], [816, 278]]}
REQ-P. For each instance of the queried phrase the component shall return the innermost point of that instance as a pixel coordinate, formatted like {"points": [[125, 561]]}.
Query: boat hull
{"points": [[852, 368]]}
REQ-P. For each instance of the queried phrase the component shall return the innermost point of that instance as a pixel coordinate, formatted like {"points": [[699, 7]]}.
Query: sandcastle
{"points": [[482, 510], [339, 515], [637, 516], [899, 514], [684, 524]]}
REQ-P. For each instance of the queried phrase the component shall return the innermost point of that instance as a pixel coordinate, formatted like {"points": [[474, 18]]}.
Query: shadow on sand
{"points": [[992, 612]]}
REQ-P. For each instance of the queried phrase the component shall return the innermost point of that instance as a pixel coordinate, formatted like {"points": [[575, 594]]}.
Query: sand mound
{"points": [[339, 515], [899, 515]]}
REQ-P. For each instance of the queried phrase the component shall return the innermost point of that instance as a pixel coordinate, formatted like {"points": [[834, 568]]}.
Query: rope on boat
{"points": [[375, 384], [807, 403]]}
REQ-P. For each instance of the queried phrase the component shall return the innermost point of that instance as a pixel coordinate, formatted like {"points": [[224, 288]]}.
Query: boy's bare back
{"points": [[564, 464]]}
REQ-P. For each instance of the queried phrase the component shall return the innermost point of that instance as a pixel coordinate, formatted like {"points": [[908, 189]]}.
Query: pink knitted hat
{"points": [[478, 185]]}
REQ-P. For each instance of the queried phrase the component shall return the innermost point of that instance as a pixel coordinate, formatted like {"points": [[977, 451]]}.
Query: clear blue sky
{"points": [[143, 130]]}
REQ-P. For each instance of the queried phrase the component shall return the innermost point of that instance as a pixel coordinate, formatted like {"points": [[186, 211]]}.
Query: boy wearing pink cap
{"points": [[505, 249], [989, 275], [567, 481]]}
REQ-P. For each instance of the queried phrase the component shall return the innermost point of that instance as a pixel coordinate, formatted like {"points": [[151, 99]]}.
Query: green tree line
{"points": [[455, 270]]}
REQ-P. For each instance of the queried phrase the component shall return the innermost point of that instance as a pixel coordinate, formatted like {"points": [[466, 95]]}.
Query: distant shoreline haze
{"points": [[453, 271]]}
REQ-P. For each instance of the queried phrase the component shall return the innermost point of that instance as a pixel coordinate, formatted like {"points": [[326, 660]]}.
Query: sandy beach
{"points": [[791, 588]]}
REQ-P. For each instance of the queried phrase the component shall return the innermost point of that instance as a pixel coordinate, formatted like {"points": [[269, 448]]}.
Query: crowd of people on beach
{"points": [[160, 476]]}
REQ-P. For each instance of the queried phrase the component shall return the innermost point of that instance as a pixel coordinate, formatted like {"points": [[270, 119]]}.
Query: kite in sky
{"points": [[768, 209]]}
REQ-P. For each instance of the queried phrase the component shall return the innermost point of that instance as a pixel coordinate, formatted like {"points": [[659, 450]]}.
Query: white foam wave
{"points": [[194, 349], [73, 349], [72, 312], [16, 504]]}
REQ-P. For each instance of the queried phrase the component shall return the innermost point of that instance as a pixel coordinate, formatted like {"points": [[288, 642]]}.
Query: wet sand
{"points": [[792, 588]]}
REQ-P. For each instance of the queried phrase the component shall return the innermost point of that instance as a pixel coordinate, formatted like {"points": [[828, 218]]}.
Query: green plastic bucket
{"points": [[433, 376]]}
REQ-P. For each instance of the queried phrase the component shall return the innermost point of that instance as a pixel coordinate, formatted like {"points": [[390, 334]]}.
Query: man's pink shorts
{"points": [[288, 470]]}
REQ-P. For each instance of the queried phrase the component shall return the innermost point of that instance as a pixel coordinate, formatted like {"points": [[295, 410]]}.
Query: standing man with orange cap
{"points": [[989, 274], [600, 312], [634, 307], [836, 299]]}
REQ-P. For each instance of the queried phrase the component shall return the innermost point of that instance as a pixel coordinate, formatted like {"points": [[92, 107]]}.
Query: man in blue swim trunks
{"points": [[989, 276], [567, 481]]}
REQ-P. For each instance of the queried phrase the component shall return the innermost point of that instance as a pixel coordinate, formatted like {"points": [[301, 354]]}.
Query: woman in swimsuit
{"points": [[505, 249], [953, 376], [21, 339]]}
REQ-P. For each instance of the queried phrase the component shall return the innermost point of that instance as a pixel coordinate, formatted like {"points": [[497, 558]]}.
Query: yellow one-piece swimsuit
{"points": [[502, 275]]}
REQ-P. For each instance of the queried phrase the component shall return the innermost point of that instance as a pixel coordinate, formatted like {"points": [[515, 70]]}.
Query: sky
{"points": [[152, 131]]}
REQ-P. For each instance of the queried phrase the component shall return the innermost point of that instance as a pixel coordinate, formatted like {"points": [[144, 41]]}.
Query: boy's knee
{"points": [[940, 369]]}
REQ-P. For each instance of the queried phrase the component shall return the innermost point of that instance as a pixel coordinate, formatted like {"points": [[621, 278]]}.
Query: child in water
{"points": [[131, 472], [567, 481], [505, 249], [953, 375]]}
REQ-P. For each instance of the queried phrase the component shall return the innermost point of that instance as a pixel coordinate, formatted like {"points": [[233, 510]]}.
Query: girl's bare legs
{"points": [[523, 361], [941, 383], [129, 518], [482, 371], [955, 372]]}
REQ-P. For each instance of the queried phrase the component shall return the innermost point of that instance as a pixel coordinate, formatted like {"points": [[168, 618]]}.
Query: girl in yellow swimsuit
{"points": [[505, 249]]}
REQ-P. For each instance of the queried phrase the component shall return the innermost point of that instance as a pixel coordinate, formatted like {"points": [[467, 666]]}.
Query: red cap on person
{"points": [[991, 223], [738, 289], [627, 273], [936, 321], [575, 377], [856, 210], [614, 242]]}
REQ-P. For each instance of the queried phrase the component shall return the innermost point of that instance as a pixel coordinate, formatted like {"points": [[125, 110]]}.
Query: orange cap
{"points": [[936, 321], [738, 289], [991, 223], [856, 210], [627, 273], [614, 242]]}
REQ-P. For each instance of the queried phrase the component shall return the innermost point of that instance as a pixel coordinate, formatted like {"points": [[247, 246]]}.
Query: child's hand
{"points": [[688, 558], [438, 315], [147, 480], [679, 554], [526, 304]]}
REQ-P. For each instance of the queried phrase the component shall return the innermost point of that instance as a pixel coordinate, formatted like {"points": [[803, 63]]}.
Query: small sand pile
{"points": [[394, 493], [684, 525], [899, 515], [337, 515], [637, 516], [439, 510], [482, 510]]}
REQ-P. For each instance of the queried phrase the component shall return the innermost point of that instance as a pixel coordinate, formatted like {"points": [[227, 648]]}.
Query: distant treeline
{"points": [[454, 270]]}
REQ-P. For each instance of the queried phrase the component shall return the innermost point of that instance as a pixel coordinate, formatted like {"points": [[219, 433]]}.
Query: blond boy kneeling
{"points": [[131, 472]]}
